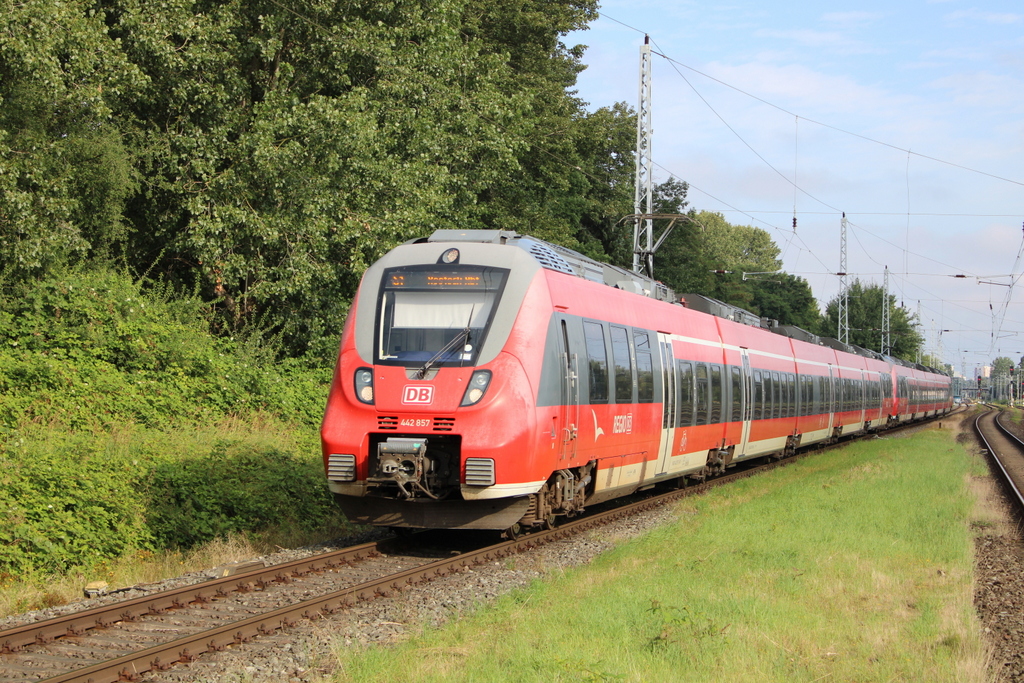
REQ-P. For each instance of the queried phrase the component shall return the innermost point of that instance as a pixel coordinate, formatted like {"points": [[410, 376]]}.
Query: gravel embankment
{"points": [[999, 587]]}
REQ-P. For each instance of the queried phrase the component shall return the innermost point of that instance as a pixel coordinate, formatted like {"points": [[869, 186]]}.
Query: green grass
{"points": [[849, 566]]}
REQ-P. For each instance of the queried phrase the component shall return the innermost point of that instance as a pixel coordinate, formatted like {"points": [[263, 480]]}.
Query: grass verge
{"points": [[855, 565]]}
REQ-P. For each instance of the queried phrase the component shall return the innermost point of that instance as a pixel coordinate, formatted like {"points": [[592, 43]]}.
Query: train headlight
{"points": [[478, 384], [364, 385]]}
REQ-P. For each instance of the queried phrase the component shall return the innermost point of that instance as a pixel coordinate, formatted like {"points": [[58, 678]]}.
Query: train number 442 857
{"points": [[411, 422]]}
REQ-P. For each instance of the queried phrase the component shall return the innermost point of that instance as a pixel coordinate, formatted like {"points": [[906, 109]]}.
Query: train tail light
{"points": [[478, 384], [364, 385]]}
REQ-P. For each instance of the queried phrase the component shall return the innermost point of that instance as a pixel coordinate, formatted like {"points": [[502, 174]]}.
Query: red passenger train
{"points": [[491, 380]]}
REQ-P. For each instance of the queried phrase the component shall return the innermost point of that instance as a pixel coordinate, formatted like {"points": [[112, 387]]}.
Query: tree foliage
{"points": [[1002, 366], [267, 152], [865, 318], [707, 255], [271, 150], [788, 299]]}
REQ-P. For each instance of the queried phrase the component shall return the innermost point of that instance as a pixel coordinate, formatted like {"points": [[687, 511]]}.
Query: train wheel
{"points": [[549, 522], [513, 532]]}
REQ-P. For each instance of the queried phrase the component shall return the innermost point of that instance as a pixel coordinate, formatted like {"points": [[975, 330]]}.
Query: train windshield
{"points": [[436, 315]]}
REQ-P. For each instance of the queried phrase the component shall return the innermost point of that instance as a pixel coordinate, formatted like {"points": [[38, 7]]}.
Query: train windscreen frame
{"points": [[436, 314]]}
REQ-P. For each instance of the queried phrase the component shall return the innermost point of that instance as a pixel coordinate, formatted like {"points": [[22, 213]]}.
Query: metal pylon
{"points": [[844, 292], [643, 238], [886, 344]]}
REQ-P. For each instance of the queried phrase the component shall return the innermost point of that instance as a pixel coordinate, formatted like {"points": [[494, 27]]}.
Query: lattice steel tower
{"points": [[886, 343], [643, 252], [844, 293]]}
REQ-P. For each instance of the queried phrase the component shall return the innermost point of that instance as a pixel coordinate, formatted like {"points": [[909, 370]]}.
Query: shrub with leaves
{"points": [[237, 487], [93, 348], [68, 503]]}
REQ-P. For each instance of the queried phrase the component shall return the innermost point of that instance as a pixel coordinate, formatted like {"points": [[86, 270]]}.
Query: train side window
{"points": [[787, 394], [598, 357], [685, 383], [624, 375], [801, 394], [816, 395], [805, 395], [644, 378], [757, 412], [791, 396], [701, 397], [644, 367], [716, 394], [776, 395], [737, 394]]}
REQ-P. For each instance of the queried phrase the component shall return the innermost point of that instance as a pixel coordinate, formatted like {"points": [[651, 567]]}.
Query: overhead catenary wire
{"points": [[790, 239]]}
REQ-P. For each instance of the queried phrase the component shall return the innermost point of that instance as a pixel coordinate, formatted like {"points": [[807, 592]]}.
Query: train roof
{"points": [[564, 260]]}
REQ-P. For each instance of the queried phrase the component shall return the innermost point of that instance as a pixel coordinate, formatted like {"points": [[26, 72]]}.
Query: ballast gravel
{"points": [[305, 652], [999, 588]]}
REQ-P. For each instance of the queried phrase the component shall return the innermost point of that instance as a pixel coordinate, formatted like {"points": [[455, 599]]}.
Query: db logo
{"points": [[418, 393]]}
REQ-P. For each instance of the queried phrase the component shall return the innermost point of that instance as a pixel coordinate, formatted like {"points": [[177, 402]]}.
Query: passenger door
{"points": [[569, 412], [668, 403], [747, 403]]}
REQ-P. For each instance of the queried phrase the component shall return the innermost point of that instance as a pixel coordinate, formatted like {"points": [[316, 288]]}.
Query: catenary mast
{"points": [[643, 236]]}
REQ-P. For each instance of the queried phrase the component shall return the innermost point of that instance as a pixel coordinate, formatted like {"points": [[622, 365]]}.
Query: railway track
{"points": [[1006, 451], [123, 641]]}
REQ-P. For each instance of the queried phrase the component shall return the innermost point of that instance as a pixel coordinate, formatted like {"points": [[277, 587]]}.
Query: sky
{"points": [[907, 116]]}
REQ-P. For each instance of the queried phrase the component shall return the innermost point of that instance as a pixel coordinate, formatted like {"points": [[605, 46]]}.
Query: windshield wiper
{"points": [[461, 338]]}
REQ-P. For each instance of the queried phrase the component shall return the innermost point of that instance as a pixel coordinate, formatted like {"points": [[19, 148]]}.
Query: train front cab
{"points": [[435, 386]]}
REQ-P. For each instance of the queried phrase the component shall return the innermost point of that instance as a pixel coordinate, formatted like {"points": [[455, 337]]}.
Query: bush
{"points": [[125, 424], [91, 349], [67, 504], [238, 487]]}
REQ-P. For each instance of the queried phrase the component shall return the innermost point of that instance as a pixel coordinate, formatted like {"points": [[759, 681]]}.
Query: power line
{"points": [[836, 128]]}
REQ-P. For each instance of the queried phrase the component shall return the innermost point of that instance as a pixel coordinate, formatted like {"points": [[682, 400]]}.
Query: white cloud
{"points": [[831, 40], [974, 15], [994, 92], [852, 18]]}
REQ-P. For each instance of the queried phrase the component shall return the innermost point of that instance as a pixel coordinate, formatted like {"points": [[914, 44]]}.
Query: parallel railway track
{"points": [[1006, 451], [122, 641]]}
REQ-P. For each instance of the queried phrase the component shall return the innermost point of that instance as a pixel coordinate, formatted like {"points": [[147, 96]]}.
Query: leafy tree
{"points": [[865, 317], [269, 151], [788, 299], [65, 170], [708, 255], [1002, 366]]}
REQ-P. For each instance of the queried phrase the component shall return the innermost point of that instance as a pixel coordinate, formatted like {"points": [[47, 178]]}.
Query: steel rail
{"points": [[76, 624], [997, 459], [184, 649]]}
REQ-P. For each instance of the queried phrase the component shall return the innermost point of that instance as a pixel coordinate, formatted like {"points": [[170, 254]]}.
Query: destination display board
{"points": [[463, 279]]}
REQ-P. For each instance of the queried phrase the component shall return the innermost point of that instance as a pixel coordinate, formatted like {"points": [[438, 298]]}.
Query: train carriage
{"points": [[491, 380]]}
